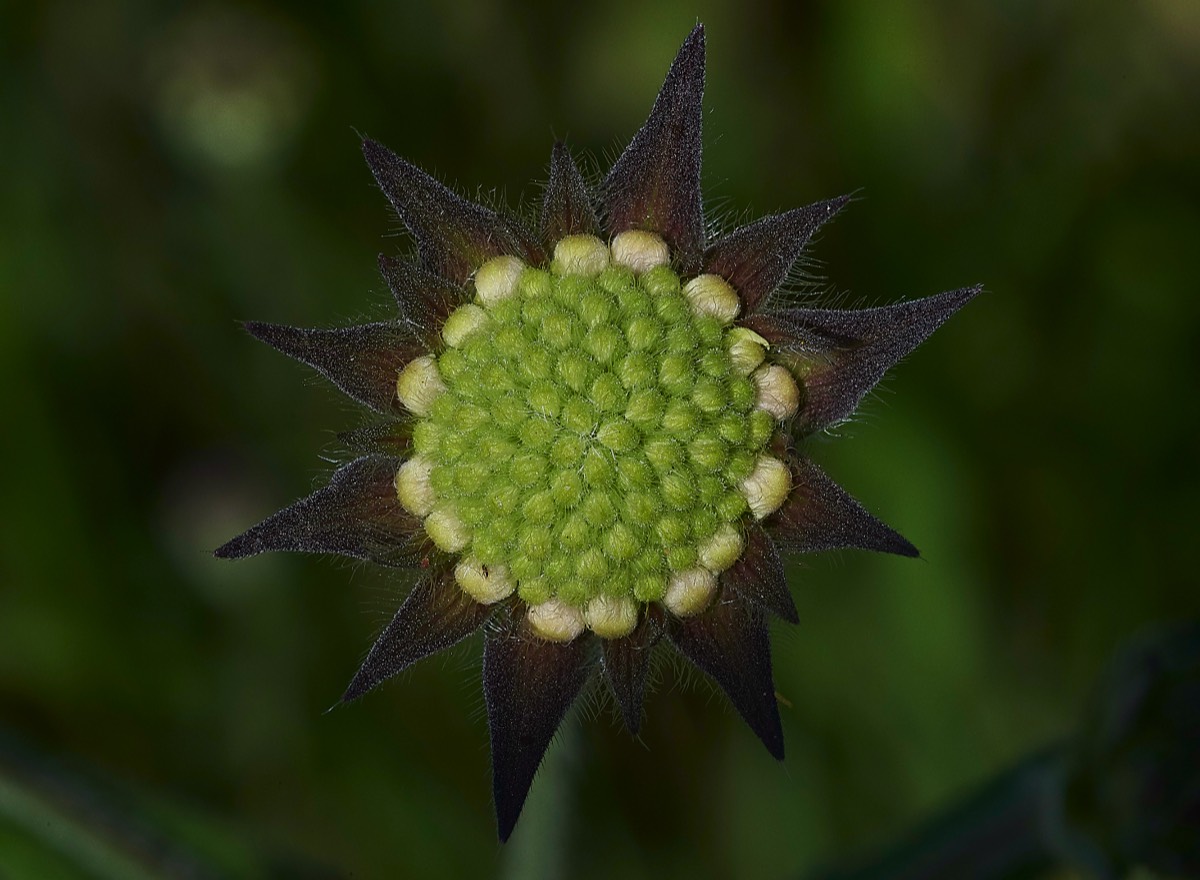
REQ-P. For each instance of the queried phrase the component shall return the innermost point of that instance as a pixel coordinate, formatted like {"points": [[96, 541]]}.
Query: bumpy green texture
{"points": [[593, 434]]}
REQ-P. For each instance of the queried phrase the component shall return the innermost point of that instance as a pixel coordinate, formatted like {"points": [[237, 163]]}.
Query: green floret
{"points": [[593, 433]]}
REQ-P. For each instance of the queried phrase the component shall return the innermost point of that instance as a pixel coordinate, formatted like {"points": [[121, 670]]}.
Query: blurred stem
{"points": [[1006, 831], [23, 808]]}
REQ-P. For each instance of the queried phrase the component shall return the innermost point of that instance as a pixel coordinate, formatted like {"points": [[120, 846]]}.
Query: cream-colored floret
{"points": [[555, 620], [640, 251], [413, 487], [611, 617], [777, 391], [712, 295], [462, 322], [497, 279], [581, 255], [747, 349], [690, 592], [446, 530], [722, 549], [419, 385], [486, 584], [767, 487]]}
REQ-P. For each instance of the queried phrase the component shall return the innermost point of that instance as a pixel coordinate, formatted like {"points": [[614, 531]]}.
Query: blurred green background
{"points": [[170, 169]]}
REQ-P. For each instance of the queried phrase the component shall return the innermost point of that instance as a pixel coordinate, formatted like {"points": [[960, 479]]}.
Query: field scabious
{"points": [[590, 433]]}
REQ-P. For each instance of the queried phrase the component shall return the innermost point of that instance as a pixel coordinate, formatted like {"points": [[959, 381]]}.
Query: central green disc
{"points": [[593, 434]]}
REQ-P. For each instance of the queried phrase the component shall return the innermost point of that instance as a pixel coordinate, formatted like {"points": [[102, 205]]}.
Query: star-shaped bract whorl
{"points": [[809, 369]]}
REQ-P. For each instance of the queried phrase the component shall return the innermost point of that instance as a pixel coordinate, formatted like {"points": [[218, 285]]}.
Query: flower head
{"points": [[590, 433]]}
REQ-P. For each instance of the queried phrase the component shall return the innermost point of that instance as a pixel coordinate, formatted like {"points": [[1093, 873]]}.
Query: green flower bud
{"points": [[462, 322]]}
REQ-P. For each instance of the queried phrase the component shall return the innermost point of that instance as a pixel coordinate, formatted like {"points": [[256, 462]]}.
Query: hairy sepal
{"points": [[730, 643], [756, 258], [566, 207], [758, 576], [626, 665], [528, 686], [356, 515], [655, 184], [454, 236], [841, 355], [362, 361], [820, 515], [424, 299], [436, 615]]}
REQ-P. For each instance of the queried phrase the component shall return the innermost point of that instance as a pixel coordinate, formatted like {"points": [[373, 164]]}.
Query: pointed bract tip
{"points": [[356, 514], [528, 686], [901, 546], [690, 60], [654, 186], [964, 294], [454, 235], [261, 330], [730, 643], [758, 257], [844, 354], [231, 549], [374, 151], [361, 360], [436, 615], [820, 515]]}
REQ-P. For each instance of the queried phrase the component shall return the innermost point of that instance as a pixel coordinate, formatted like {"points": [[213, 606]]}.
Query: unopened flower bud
{"points": [[585, 435], [486, 584], [581, 255], [446, 530], [690, 592], [722, 549], [712, 295], [640, 251], [462, 322], [747, 349], [767, 486], [413, 487], [497, 279], [419, 385], [556, 621], [777, 391], [611, 617]]}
